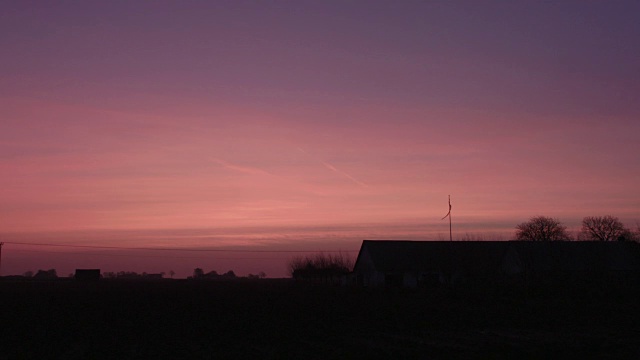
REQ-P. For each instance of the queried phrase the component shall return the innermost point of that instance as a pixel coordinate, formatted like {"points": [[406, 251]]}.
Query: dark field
{"points": [[276, 319]]}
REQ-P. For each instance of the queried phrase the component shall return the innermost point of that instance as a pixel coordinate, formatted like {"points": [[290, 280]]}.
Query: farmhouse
{"points": [[434, 263]]}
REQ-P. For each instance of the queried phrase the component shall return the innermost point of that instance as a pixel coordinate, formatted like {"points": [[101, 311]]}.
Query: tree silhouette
{"points": [[604, 228], [198, 273], [46, 274], [211, 274], [229, 274], [128, 275], [171, 273], [542, 228]]}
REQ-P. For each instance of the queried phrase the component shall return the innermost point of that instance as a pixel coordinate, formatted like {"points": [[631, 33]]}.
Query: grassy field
{"points": [[276, 319]]}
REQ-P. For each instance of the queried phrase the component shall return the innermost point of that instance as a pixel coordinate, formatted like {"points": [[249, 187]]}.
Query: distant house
{"points": [[87, 274], [434, 263]]}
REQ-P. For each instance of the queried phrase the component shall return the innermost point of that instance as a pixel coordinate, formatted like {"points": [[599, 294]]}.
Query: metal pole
{"points": [[450, 233], [1, 243]]}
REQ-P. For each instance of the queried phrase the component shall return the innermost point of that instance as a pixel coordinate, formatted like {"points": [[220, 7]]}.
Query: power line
{"points": [[145, 256], [173, 249]]}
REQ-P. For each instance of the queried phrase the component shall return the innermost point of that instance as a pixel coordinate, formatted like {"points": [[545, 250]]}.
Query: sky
{"points": [[275, 128]]}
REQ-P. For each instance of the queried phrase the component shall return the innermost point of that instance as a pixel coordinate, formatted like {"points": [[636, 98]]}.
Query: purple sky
{"points": [[307, 125]]}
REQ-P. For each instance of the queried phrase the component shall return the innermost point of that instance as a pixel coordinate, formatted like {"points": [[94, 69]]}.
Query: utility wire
{"points": [[146, 256], [174, 249]]}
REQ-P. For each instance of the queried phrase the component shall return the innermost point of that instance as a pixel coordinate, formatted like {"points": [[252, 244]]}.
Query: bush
{"points": [[320, 265]]}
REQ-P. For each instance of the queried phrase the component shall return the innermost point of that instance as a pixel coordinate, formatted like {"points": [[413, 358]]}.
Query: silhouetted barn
{"points": [[425, 263], [433, 263], [87, 274], [593, 259]]}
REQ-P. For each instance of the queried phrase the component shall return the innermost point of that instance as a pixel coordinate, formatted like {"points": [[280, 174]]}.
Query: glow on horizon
{"points": [[327, 122], [176, 178]]}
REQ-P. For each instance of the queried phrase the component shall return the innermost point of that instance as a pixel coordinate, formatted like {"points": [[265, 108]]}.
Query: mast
{"points": [[450, 232], [449, 215], [1, 243]]}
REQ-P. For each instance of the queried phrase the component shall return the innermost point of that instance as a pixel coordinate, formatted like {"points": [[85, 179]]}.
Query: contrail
{"points": [[242, 169], [255, 171], [334, 169]]}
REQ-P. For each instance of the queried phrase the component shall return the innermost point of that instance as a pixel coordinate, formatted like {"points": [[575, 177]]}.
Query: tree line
{"points": [[198, 273], [594, 228]]}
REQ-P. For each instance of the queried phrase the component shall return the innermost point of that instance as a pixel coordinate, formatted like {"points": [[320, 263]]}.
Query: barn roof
{"points": [[400, 255], [487, 256], [578, 255]]}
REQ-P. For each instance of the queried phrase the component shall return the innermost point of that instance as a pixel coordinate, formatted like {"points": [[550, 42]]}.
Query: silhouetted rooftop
{"points": [[487, 256]]}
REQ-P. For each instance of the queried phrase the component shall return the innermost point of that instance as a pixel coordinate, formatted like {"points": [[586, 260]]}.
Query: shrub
{"points": [[320, 265]]}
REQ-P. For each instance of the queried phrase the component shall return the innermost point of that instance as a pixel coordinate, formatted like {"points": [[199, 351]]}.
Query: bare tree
{"points": [[542, 228], [604, 228], [171, 273]]}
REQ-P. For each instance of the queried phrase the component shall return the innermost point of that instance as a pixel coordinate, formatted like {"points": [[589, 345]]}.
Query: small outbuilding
{"points": [[87, 274]]}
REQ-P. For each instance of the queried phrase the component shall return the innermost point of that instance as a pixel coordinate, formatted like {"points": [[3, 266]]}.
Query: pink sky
{"points": [[306, 126]]}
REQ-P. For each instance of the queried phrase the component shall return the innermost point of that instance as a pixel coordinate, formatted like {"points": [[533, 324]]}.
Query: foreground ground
{"points": [[276, 319]]}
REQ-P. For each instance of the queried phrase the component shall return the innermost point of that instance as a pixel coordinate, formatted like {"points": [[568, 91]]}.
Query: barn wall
{"points": [[410, 280], [366, 273], [511, 263]]}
